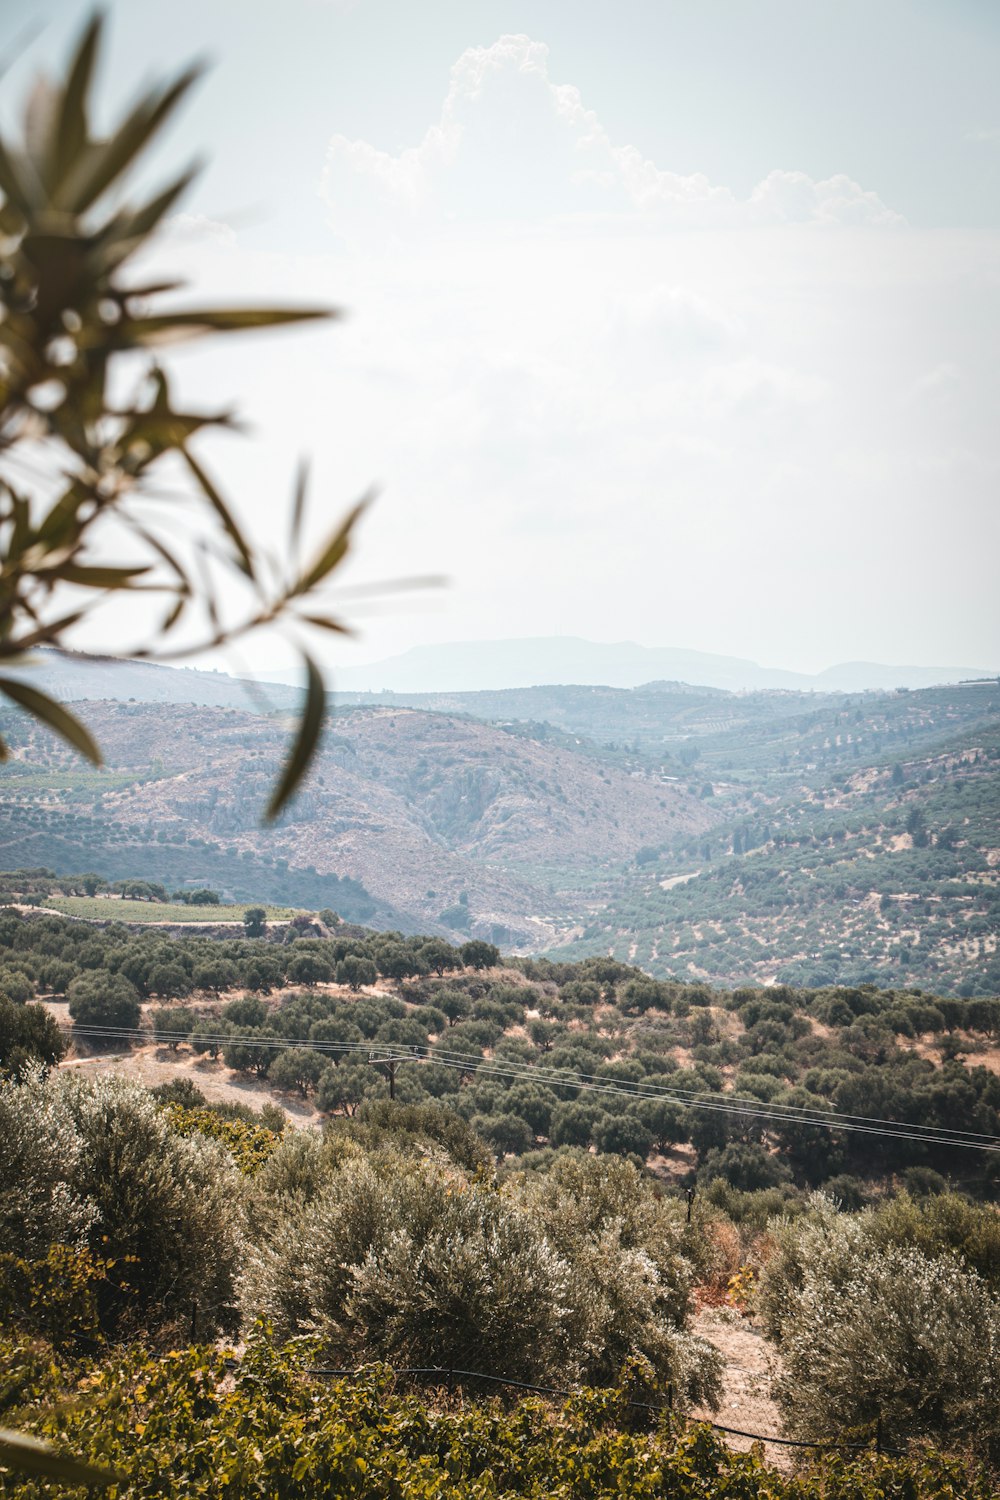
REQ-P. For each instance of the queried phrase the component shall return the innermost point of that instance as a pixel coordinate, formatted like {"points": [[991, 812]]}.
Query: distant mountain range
{"points": [[469, 666], [472, 667], [775, 835]]}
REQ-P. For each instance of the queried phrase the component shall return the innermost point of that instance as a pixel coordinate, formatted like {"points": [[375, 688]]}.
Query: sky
{"points": [[671, 322]]}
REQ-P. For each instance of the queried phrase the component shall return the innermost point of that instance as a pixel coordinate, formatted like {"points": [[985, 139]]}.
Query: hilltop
{"points": [[72, 676], [886, 874]]}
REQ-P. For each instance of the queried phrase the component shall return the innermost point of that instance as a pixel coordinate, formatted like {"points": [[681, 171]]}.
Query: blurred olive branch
{"points": [[67, 316], [28, 1455]]}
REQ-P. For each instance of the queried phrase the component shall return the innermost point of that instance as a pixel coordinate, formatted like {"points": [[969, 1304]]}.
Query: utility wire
{"points": [[590, 1083], [593, 1083], [741, 1104]]}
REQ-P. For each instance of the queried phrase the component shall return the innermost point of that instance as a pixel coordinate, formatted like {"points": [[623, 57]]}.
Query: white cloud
{"points": [[794, 198], [615, 402], [196, 227], [512, 145]]}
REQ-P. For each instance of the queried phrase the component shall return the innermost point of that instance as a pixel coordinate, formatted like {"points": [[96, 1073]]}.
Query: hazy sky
{"points": [[673, 321]]}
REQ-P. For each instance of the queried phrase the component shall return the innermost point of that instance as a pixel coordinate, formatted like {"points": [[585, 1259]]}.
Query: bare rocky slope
{"points": [[457, 824]]}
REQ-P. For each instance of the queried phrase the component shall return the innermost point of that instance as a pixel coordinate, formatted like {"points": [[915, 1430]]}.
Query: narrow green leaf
{"points": [[298, 507], [167, 328], [41, 118], [223, 512], [71, 130], [61, 522], [128, 230], [155, 289], [173, 614], [12, 185], [334, 551], [109, 160], [306, 741], [50, 631], [21, 530], [326, 623], [47, 711], [98, 578], [171, 561], [28, 1455]]}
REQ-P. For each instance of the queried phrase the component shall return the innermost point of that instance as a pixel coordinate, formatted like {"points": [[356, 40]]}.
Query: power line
{"points": [[590, 1083], [593, 1083], [741, 1104]]}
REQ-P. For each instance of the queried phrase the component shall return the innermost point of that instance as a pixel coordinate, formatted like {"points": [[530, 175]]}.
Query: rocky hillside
{"points": [[769, 836], [455, 824]]}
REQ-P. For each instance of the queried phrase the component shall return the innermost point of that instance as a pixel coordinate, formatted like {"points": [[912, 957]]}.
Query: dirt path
{"points": [[746, 1401]]}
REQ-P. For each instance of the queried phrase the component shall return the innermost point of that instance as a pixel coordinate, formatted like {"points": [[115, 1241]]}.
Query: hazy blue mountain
{"points": [[471, 667], [468, 666]]}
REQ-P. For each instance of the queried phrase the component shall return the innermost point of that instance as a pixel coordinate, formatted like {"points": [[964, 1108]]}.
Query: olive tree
{"points": [[406, 1263], [82, 524], [97, 1164]]}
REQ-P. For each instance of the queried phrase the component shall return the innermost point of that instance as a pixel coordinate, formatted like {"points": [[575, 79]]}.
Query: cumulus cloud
{"points": [[512, 145], [793, 197]]}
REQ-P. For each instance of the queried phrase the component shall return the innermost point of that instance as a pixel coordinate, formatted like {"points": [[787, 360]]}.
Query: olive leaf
{"points": [[306, 740], [29, 1455], [67, 316], [54, 715], [333, 551]]}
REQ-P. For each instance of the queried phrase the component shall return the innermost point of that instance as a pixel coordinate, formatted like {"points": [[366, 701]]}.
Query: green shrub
{"points": [[426, 1129], [942, 1224], [407, 1262], [631, 1280], [173, 1024], [898, 1338], [248, 1144], [28, 1034], [104, 1000], [879, 1314], [187, 1427], [92, 1160], [41, 1162]]}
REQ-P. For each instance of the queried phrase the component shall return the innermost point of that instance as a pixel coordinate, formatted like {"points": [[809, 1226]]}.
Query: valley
{"points": [[766, 837]]}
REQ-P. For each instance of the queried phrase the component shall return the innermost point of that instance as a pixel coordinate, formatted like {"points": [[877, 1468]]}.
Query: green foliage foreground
{"points": [[132, 1224], [191, 1423]]}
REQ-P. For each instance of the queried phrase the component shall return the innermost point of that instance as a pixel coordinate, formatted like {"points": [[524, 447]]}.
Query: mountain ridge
{"points": [[537, 661], [469, 668]]}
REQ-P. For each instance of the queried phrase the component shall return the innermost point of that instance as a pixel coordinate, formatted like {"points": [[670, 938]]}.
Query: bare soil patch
{"points": [[155, 1065], [750, 1363]]}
